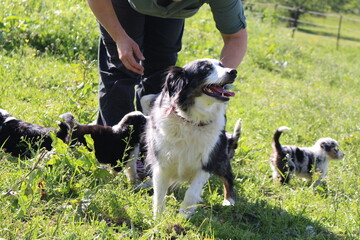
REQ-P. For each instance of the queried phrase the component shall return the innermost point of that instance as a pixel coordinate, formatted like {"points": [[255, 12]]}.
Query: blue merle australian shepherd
{"points": [[287, 160]]}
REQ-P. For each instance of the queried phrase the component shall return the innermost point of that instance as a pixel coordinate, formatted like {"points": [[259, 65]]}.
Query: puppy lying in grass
{"points": [[22, 139], [286, 160]]}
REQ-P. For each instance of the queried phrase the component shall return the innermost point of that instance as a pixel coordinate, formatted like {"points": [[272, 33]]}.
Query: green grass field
{"points": [[48, 67], [329, 26], [316, 23]]}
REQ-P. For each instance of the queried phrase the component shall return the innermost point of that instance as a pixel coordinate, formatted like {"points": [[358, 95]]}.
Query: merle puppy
{"points": [[23, 138], [286, 160]]}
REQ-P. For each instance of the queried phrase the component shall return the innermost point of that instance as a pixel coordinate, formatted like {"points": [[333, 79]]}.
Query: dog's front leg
{"points": [[318, 181], [130, 166], [193, 194], [130, 171], [161, 183]]}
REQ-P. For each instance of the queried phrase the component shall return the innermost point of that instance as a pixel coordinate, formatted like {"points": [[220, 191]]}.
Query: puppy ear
{"points": [[175, 81], [63, 132], [326, 146], [63, 126]]}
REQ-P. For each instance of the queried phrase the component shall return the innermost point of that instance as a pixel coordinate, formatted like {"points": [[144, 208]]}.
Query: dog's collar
{"points": [[172, 110]]}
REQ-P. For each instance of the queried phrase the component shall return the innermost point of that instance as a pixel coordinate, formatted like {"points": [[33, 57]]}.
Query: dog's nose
{"points": [[233, 73]]}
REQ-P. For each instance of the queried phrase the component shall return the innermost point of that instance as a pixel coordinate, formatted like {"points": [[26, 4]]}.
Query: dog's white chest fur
{"points": [[186, 123], [184, 147]]}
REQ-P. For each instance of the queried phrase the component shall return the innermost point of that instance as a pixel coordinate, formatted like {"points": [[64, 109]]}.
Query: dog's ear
{"points": [[326, 146], [63, 132], [175, 81], [63, 126]]}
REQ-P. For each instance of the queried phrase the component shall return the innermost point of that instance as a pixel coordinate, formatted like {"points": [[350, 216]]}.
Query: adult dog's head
{"points": [[200, 82]]}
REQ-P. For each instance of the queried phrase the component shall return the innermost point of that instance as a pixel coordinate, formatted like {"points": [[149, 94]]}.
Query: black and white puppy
{"points": [[185, 135], [287, 160], [112, 144], [23, 138]]}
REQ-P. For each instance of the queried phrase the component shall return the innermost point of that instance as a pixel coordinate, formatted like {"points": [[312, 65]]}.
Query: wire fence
{"points": [[319, 23]]}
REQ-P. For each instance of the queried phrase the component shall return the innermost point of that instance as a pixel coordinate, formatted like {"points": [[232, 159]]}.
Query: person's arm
{"points": [[234, 49], [127, 47]]}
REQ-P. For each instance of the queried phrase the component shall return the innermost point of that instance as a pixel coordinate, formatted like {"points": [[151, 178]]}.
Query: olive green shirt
{"points": [[228, 14]]}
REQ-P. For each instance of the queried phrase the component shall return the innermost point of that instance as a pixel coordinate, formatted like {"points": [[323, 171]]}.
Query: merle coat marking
{"points": [[287, 160]]}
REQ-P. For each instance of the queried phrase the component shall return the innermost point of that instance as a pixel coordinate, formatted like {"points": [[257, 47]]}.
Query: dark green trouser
{"points": [[160, 42]]}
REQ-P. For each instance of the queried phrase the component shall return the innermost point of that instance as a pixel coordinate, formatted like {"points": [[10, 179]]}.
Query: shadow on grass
{"points": [[257, 220]]}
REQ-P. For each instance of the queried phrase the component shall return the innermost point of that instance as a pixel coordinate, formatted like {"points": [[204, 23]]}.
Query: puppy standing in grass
{"points": [[303, 161], [185, 135]]}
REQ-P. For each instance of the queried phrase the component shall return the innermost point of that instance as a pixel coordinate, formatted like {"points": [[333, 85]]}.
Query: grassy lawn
{"points": [[48, 67], [322, 24]]}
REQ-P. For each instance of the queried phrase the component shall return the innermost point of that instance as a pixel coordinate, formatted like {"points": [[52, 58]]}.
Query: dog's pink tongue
{"points": [[221, 91]]}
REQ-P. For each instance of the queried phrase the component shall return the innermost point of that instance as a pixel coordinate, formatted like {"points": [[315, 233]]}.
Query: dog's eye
{"points": [[336, 149], [208, 67]]}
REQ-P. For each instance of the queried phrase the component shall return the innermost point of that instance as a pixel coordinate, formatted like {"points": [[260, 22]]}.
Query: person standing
{"points": [[140, 39]]}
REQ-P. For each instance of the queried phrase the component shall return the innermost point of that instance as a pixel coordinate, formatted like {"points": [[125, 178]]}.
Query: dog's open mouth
{"points": [[219, 92]]}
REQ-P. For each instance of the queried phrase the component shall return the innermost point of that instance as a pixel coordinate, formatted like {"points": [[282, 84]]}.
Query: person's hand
{"points": [[129, 52]]}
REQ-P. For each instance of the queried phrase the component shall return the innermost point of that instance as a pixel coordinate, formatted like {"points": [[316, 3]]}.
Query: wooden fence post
{"points": [[295, 22], [297, 14], [274, 17], [338, 35]]}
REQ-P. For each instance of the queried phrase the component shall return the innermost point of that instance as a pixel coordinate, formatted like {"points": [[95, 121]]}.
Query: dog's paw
{"points": [[146, 185], [187, 212], [228, 202]]}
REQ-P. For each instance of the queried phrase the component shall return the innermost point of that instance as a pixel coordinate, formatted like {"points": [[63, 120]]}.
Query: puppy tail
{"points": [[237, 130], [233, 138], [135, 118], [276, 145]]}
